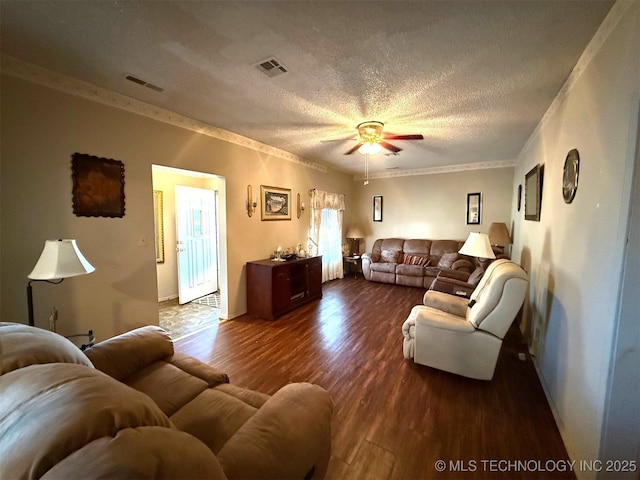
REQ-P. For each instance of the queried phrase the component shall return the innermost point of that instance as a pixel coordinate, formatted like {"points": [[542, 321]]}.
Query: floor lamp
{"points": [[59, 259]]}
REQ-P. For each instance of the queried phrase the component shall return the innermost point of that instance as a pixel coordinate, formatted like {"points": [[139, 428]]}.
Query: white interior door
{"points": [[196, 242]]}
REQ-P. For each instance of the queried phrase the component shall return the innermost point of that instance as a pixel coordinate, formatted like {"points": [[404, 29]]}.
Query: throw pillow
{"points": [[447, 260], [419, 260], [390, 256]]}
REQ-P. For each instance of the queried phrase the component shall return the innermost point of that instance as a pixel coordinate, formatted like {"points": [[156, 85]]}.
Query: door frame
{"points": [[223, 276]]}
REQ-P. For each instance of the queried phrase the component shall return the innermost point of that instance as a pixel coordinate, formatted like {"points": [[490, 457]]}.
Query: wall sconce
{"points": [[251, 203], [300, 206]]}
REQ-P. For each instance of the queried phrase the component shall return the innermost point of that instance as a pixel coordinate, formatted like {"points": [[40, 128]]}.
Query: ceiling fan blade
{"points": [[390, 147], [351, 150], [416, 136], [346, 139]]}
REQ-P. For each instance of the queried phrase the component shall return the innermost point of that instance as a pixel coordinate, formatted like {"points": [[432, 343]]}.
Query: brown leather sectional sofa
{"points": [[414, 263]]}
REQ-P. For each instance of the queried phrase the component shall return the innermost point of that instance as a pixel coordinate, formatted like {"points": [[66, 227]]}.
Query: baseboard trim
{"points": [[164, 299]]}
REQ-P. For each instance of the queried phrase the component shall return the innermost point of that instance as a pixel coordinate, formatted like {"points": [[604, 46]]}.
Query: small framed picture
{"points": [[474, 208], [377, 208], [276, 203], [533, 193]]}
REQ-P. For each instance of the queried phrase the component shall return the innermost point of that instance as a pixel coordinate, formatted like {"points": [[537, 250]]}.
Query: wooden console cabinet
{"points": [[274, 288]]}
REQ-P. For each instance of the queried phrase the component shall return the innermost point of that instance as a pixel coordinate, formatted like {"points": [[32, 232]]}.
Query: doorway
{"points": [[193, 263]]}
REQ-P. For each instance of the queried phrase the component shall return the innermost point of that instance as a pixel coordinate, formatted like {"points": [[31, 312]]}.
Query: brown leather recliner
{"points": [[461, 283], [131, 407]]}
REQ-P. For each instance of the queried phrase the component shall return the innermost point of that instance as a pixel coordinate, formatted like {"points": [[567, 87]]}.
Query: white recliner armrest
{"points": [[434, 318], [448, 303]]}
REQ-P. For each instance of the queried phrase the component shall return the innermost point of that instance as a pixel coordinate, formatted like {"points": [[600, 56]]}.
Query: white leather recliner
{"points": [[464, 335]]}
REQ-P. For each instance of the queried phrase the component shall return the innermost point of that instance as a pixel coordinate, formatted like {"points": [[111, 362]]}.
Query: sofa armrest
{"points": [[463, 265], [447, 303], [435, 318], [456, 274], [452, 287], [288, 437], [192, 366], [125, 354], [366, 265]]}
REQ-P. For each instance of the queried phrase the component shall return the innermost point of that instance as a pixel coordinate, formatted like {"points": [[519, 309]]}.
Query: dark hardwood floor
{"points": [[393, 419]]}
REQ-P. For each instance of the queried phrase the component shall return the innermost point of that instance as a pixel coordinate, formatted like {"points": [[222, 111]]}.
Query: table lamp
{"points": [[499, 235], [59, 259], [354, 233], [477, 245]]}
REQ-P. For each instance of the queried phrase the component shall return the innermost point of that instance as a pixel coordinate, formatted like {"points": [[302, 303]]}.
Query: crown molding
{"points": [[604, 30], [465, 167], [48, 78]]}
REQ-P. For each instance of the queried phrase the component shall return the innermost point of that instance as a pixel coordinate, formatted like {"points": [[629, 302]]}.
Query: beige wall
{"points": [[574, 254], [432, 206], [42, 127]]}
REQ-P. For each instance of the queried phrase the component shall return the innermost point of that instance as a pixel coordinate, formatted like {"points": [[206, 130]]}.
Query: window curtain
{"points": [[327, 212]]}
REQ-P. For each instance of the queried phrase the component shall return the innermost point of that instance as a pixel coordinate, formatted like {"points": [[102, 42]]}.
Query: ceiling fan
{"points": [[371, 139]]}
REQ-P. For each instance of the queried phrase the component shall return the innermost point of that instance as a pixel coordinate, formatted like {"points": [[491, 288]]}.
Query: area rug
{"points": [[183, 320], [211, 300]]}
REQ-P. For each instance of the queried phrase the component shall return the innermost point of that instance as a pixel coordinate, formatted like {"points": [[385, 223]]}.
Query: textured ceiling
{"points": [[474, 77]]}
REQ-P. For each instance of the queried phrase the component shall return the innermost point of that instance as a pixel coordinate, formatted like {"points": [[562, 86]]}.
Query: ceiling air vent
{"points": [[271, 67], [144, 83]]}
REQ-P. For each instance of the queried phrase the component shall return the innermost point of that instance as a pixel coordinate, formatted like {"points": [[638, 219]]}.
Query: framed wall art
{"points": [[377, 208], [474, 208], [533, 193], [275, 203], [98, 186]]}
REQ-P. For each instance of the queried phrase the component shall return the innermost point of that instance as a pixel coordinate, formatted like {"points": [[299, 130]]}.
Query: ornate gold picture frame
{"points": [[275, 203]]}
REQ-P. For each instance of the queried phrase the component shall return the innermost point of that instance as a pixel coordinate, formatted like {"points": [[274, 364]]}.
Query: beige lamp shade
{"points": [[60, 259], [477, 245], [354, 232], [499, 234]]}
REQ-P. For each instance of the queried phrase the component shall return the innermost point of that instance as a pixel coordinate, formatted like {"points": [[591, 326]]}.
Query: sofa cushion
{"points": [[47, 412], [390, 256], [143, 452], [422, 260], [384, 267], [447, 260], [440, 247], [213, 417], [410, 270], [417, 247], [22, 345], [169, 386]]}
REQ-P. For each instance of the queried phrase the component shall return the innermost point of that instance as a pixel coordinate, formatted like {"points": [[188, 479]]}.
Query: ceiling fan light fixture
{"points": [[370, 132], [370, 148]]}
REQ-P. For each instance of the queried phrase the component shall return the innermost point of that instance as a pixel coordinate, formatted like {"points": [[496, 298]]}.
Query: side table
{"points": [[352, 263]]}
